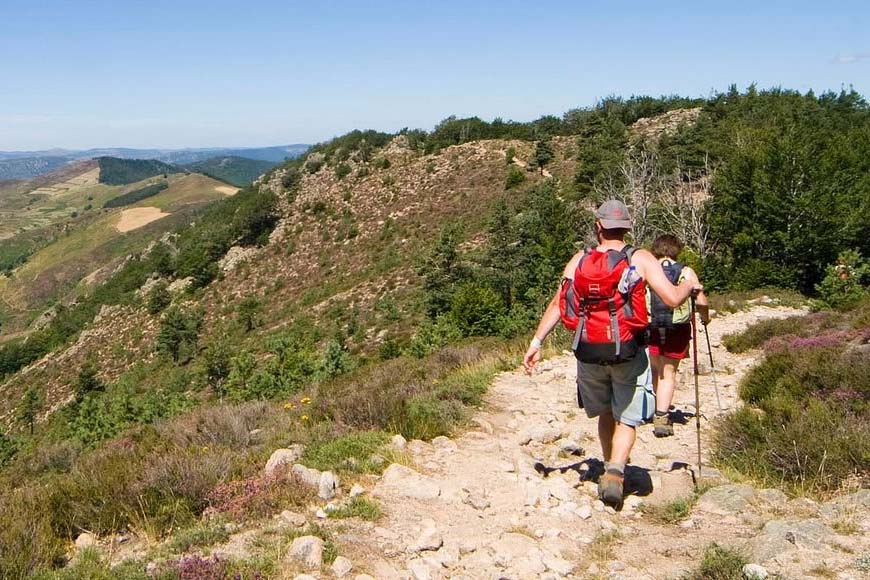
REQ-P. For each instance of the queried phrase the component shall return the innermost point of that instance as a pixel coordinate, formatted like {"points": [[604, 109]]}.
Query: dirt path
{"points": [[136, 217], [480, 499]]}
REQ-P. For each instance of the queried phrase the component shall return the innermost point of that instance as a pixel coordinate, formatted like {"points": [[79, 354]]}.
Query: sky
{"points": [[190, 73]]}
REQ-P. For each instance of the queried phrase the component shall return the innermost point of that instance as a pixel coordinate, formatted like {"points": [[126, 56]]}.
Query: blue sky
{"points": [[79, 73]]}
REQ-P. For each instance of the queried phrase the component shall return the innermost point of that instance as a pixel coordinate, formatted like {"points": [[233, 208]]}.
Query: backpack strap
{"points": [[614, 326]]}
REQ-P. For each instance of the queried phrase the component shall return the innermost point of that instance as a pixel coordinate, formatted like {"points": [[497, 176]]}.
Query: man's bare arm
{"points": [[651, 271], [549, 320]]}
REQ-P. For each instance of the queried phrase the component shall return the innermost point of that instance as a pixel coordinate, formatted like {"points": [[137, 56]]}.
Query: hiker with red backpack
{"points": [[670, 331], [602, 299]]}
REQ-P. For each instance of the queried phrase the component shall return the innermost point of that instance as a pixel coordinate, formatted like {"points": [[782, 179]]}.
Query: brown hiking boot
{"points": [[610, 487], [662, 426]]}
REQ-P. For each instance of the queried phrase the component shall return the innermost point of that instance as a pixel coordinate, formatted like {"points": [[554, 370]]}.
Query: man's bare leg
{"points": [[606, 426], [623, 441]]}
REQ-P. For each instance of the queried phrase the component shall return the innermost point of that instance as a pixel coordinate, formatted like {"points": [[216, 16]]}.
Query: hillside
{"points": [[54, 260], [378, 286], [238, 171], [116, 171]]}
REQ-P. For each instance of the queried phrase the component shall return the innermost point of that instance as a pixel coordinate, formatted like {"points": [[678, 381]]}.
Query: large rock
{"points": [[85, 540], [306, 475], [341, 567], [282, 459], [293, 519], [781, 536], [308, 551], [754, 572], [400, 480], [727, 499], [327, 486], [545, 433], [398, 442], [847, 504], [430, 539]]}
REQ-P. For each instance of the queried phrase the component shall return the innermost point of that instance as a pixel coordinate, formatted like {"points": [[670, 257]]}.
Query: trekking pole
{"points": [[697, 389], [712, 367]]}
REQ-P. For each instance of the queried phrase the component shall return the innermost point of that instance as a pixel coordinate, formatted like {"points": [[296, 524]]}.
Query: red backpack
{"points": [[609, 326]]}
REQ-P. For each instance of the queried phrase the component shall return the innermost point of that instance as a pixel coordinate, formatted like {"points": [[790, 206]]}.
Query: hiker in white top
{"points": [[609, 390]]}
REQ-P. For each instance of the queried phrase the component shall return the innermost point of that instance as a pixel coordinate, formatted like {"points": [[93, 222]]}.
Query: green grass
{"points": [[719, 563], [348, 453], [672, 511], [358, 507], [737, 300], [206, 534]]}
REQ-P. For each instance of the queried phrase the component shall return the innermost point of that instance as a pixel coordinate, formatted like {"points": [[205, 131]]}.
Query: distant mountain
{"points": [[27, 167], [239, 171], [28, 164]]}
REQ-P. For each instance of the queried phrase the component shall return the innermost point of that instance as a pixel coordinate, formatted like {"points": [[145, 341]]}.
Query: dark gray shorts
{"points": [[625, 389]]}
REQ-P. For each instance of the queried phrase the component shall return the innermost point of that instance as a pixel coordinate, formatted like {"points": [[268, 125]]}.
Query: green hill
{"points": [[238, 171], [115, 171]]}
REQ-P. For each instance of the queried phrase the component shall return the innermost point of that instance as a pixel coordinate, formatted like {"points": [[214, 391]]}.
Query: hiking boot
{"points": [[610, 487], [662, 426]]}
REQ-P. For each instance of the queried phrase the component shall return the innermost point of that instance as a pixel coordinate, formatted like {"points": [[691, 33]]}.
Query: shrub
{"points": [[509, 155], [719, 563], [432, 335], [515, 177], [256, 496], [291, 178], [476, 310], [87, 381], [313, 165], [846, 282], [813, 429], [342, 170], [382, 163], [362, 172], [27, 541], [158, 298], [248, 313]]}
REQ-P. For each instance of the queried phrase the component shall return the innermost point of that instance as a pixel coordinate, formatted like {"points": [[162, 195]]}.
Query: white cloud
{"points": [[852, 58]]}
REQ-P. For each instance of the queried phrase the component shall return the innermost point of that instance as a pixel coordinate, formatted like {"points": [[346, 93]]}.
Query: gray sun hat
{"points": [[613, 215]]}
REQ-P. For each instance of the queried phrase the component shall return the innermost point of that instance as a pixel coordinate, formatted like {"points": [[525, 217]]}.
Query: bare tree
{"points": [[640, 190], [683, 202]]}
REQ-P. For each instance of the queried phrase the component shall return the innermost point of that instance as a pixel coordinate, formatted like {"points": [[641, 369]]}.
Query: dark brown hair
{"points": [[667, 246]]}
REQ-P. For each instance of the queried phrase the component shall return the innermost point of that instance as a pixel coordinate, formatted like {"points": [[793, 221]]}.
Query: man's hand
{"points": [[533, 356]]}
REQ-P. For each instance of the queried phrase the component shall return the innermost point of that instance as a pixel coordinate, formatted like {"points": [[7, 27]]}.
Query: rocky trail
{"points": [[476, 507], [515, 497]]}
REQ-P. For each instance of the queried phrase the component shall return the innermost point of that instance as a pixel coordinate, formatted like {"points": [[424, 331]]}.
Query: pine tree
{"points": [[543, 154], [87, 380], [217, 365], [29, 407], [442, 270], [502, 252], [249, 313], [178, 333]]}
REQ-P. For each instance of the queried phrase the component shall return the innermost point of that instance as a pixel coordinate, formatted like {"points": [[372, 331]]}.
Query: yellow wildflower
{"points": [[289, 406], [305, 400], [304, 417]]}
